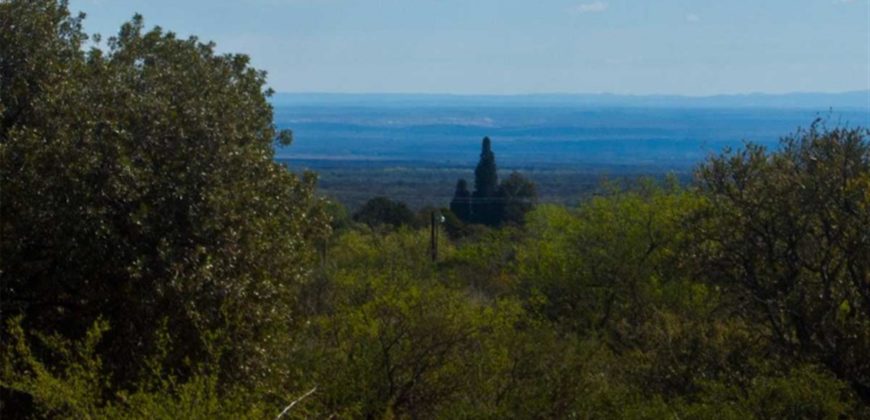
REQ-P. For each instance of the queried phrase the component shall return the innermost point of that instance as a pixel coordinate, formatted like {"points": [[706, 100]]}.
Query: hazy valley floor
{"points": [[416, 151]]}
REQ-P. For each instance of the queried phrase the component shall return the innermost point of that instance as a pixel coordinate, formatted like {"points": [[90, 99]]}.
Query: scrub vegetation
{"points": [[157, 262]]}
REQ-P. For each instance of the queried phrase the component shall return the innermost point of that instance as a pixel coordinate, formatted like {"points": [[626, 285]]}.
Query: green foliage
{"points": [[800, 392], [139, 184], [517, 197], [73, 385], [40, 42], [612, 262], [402, 351], [381, 211], [485, 262], [786, 232], [76, 386], [393, 339], [339, 219]]}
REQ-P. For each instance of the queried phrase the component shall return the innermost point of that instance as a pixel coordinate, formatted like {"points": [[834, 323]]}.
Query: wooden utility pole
{"points": [[433, 236]]}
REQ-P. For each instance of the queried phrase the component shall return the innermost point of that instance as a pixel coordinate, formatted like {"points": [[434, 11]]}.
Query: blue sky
{"points": [[687, 47]]}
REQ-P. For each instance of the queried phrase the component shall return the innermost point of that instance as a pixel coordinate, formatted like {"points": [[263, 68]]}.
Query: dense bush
{"points": [[788, 234], [139, 188], [381, 211]]}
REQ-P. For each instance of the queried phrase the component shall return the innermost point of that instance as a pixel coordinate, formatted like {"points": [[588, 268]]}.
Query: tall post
{"points": [[433, 236]]}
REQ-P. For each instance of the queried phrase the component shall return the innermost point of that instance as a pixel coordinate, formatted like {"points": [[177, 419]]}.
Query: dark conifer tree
{"points": [[461, 203], [484, 206], [485, 175]]}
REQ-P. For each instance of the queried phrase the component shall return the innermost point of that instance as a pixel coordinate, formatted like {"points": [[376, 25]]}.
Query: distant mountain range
{"points": [[817, 101]]}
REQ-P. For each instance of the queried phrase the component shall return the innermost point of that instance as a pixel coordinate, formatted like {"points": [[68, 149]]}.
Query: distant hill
{"points": [[817, 101]]}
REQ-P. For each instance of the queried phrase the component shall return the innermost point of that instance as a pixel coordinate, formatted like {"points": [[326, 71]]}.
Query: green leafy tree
{"points": [[381, 211], [139, 187], [608, 265], [517, 196], [392, 338], [787, 233]]}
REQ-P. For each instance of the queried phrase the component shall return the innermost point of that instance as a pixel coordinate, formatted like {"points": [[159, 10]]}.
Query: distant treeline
{"points": [[421, 185]]}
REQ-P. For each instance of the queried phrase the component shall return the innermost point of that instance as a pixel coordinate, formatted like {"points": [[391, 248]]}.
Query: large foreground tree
{"points": [[789, 233], [139, 187]]}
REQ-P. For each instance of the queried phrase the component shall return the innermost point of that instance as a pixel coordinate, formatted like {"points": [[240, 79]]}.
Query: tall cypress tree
{"points": [[485, 175], [484, 207]]}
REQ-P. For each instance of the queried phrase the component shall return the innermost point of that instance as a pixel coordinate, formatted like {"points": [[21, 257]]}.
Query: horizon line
{"points": [[636, 95]]}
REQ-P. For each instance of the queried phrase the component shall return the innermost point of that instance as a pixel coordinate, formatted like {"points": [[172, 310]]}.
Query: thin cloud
{"points": [[693, 18], [594, 7]]}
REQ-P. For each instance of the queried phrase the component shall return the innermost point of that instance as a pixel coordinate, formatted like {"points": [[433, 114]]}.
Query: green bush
{"points": [[139, 184]]}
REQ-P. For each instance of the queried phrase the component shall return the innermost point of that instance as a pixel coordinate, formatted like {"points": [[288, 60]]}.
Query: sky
{"points": [[682, 47]]}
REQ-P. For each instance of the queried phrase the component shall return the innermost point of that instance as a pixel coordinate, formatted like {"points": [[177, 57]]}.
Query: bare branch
{"points": [[286, 409]]}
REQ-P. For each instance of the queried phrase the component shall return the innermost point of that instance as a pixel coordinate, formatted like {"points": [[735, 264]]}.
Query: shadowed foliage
{"points": [[139, 188], [381, 211]]}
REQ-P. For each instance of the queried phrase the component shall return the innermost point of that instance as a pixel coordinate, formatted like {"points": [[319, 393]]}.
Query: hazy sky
{"points": [[693, 47]]}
